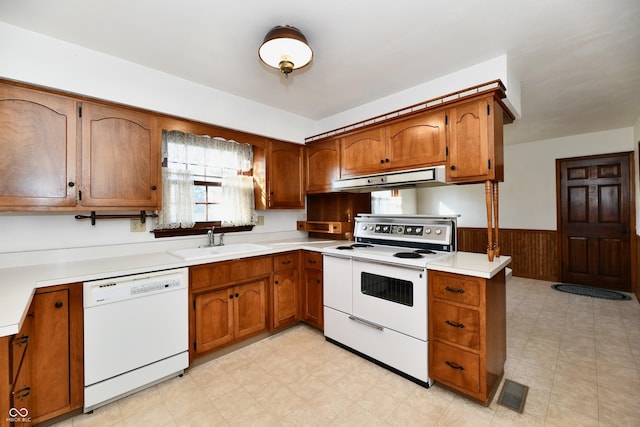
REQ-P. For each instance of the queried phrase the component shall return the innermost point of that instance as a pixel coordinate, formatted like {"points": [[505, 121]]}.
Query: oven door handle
{"points": [[367, 323]]}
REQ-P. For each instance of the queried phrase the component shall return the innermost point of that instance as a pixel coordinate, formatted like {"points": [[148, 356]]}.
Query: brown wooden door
{"points": [[250, 309], [595, 220], [286, 175], [322, 165], [285, 297], [120, 158], [214, 319], [49, 353], [419, 141], [364, 152], [312, 298], [474, 138], [37, 149]]}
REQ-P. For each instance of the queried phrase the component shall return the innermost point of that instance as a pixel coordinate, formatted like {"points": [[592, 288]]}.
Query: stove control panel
{"points": [[440, 233]]}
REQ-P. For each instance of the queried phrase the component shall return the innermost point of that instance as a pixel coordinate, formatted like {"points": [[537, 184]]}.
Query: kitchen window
{"points": [[206, 181]]}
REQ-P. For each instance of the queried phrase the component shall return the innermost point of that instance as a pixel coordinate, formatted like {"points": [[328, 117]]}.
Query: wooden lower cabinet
{"points": [[43, 362], [229, 302], [312, 289], [229, 314], [467, 332], [285, 289]]}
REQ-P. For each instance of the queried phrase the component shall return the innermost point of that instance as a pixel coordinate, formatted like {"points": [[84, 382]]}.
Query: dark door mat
{"points": [[513, 395], [590, 291]]}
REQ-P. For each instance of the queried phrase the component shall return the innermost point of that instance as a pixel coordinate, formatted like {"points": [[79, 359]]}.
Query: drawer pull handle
{"points": [[22, 393], [367, 323], [454, 324], [286, 262], [454, 366], [312, 261], [24, 339], [454, 290]]}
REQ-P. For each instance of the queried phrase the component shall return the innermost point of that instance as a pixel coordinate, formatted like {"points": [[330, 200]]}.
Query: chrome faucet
{"points": [[212, 237]]}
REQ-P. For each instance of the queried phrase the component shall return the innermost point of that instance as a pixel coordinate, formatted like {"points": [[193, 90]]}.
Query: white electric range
{"points": [[375, 289]]}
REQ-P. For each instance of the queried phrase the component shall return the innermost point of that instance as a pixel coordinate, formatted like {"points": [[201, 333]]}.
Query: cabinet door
{"points": [[419, 141], [37, 149], [285, 175], [48, 352], [322, 165], [364, 152], [54, 355], [312, 297], [285, 297], [214, 319], [475, 142], [250, 309], [120, 158]]}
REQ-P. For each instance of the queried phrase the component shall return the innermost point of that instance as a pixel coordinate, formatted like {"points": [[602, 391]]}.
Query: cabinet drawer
{"points": [[285, 261], [453, 366], [312, 259], [18, 345], [457, 288], [210, 275], [242, 269], [456, 324]]}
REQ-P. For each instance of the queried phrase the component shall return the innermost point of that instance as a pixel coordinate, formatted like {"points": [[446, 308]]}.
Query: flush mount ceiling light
{"points": [[285, 48]]}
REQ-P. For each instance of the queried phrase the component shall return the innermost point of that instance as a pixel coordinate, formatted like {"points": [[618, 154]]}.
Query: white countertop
{"points": [[17, 285], [470, 264]]}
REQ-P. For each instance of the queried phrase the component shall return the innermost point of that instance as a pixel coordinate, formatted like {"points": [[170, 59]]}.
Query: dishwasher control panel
{"points": [[127, 287]]}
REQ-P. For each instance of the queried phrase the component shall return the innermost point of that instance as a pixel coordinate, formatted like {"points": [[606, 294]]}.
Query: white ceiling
{"points": [[578, 60]]}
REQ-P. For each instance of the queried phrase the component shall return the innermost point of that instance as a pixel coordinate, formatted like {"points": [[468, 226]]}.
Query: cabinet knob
{"points": [[71, 184], [237, 295], [277, 282], [317, 280], [381, 160], [59, 304], [154, 187], [453, 167], [386, 160], [231, 296]]}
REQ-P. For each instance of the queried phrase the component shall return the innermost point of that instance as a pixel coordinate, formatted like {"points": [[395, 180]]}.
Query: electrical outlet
{"points": [[260, 220], [138, 226]]}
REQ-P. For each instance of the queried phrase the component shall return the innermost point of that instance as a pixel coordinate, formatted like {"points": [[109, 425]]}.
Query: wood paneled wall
{"points": [[534, 253]]}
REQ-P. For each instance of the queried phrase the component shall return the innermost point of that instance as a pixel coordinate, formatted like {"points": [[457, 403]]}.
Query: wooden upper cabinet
{"points": [[412, 143], [322, 165], [120, 158], [418, 141], [37, 149], [363, 152], [475, 141], [278, 175]]}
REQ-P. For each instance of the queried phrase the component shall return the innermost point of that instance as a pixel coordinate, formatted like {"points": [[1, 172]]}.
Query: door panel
{"points": [[595, 220]]}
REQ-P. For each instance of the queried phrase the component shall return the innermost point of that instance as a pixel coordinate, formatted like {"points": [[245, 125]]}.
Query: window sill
{"points": [[201, 228]]}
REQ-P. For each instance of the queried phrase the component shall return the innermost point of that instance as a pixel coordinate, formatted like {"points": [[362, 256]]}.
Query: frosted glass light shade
{"points": [[285, 48]]}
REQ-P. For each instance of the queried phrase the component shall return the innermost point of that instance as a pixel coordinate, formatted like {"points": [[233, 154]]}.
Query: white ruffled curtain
{"points": [[203, 156], [177, 200]]}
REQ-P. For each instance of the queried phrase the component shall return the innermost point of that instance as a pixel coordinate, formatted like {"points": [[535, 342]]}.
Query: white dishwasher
{"points": [[136, 333]]}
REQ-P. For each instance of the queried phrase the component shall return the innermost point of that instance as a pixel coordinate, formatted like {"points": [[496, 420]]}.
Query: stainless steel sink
{"points": [[214, 251]]}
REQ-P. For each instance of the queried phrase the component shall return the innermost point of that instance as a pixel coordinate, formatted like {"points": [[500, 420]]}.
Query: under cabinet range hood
{"points": [[431, 176]]}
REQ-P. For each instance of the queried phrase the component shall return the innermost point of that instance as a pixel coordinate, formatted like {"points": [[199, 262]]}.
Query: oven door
{"points": [[391, 296]]}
